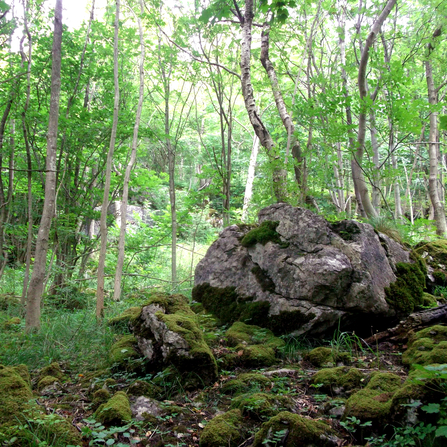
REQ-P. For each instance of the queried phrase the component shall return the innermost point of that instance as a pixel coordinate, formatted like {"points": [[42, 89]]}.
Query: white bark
{"points": [[250, 177]]}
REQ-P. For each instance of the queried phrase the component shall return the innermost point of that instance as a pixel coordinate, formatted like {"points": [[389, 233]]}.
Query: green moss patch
{"points": [[323, 356], [342, 376], [143, 388], [266, 232], [46, 381], [406, 293], [223, 430], [373, 403], [247, 382], [260, 406], [124, 352], [251, 334], [53, 370], [126, 319], [116, 411], [427, 346], [292, 430]]}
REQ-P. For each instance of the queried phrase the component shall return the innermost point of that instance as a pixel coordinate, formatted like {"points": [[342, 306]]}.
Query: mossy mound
{"points": [[260, 406], [16, 406], [406, 293], [322, 356], [427, 346], [171, 329], [126, 319], [341, 377], [434, 253], [292, 430], [265, 232], [373, 403], [246, 382], [123, 354], [100, 397], [223, 430], [429, 300], [252, 335], [53, 370], [116, 411], [143, 388], [46, 381]]}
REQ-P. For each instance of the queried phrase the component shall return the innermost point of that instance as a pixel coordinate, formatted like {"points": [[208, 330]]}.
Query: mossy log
{"points": [[415, 321]]}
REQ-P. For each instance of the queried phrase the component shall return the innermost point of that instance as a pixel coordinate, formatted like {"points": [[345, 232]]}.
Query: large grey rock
{"points": [[325, 271]]}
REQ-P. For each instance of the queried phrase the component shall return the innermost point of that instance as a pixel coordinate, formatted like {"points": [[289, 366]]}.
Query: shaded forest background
{"points": [[205, 113]]}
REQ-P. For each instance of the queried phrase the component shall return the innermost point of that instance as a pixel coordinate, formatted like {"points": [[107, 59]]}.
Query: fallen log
{"points": [[414, 322]]}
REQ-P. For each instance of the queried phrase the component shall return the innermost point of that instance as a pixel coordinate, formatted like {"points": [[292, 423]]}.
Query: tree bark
{"points": [[250, 178], [105, 200], [279, 173], [35, 290], [357, 170], [133, 156], [438, 206]]}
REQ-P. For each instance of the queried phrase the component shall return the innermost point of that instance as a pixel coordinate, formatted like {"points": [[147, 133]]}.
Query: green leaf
{"points": [[431, 408], [441, 431]]}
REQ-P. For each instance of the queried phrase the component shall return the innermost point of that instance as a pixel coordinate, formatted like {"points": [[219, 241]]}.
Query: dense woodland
{"points": [[203, 114], [190, 117]]}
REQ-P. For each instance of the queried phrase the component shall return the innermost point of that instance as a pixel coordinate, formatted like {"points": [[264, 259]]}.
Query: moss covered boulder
{"points": [[298, 273], [292, 430], [427, 346], [373, 403], [116, 411], [223, 430], [253, 346], [126, 319], [168, 334], [434, 254], [246, 382], [17, 406], [124, 354], [336, 380], [260, 406]]}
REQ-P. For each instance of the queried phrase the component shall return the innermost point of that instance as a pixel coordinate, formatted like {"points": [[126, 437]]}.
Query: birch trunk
{"points": [[133, 156], [105, 200], [265, 139], [250, 178], [35, 290]]}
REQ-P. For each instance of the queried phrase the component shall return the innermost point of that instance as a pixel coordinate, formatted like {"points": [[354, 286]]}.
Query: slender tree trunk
{"points": [[35, 290], [357, 170], [250, 177], [375, 150], [105, 200], [438, 205], [121, 242], [279, 173]]}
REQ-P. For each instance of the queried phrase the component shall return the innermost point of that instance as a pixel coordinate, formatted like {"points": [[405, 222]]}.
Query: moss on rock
{"points": [[123, 353], [300, 431], [223, 430], [323, 355], [406, 293], [245, 382], [143, 388], [342, 376], [427, 346], [116, 411], [53, 370], [126, 319], [46, 381], [429, 300], [100, 397], [260, 406], [253, 335], [265, 232], [373, 403]]}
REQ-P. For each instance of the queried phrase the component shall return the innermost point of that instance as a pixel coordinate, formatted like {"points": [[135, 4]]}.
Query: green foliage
{"points": [[98, 434]]}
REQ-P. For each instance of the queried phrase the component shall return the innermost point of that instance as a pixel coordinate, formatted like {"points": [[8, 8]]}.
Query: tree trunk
{"points": [[35, 290], [120, 262], [438, 206], [250, 177], [279, 173], [105, 200], [357, 170]]}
